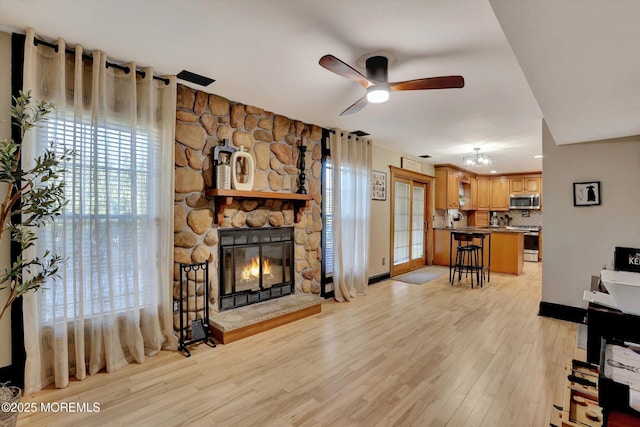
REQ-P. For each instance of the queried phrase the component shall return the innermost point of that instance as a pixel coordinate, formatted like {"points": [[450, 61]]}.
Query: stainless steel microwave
{"points": [[524, 201]]}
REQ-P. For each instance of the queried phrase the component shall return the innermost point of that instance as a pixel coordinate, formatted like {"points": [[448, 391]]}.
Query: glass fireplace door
{"points": [[255, 265]]}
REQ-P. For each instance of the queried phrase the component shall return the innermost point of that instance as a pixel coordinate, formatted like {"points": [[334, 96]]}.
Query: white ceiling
{"points": [[581, 60]]}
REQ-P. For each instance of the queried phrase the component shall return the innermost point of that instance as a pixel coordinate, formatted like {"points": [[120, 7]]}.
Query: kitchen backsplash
{"points": [[440, 218], [534, 218]]}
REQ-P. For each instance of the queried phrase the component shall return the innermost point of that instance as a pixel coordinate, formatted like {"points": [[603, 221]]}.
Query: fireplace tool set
{"points": [[199, 330]]}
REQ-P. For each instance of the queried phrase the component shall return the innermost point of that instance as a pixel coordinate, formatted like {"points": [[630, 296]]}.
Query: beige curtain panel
{"points": [[352, 157], [112, 304]]}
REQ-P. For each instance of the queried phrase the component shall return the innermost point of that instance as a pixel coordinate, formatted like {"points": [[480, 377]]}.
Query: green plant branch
{"points": [[40, 191]]}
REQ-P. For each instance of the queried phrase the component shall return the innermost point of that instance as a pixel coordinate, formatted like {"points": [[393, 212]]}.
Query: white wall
{"points": [[5, 132], [380, 234], [579, 241]]}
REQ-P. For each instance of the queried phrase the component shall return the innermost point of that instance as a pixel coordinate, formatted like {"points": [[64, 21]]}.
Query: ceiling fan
{"points": [[377, 83]]}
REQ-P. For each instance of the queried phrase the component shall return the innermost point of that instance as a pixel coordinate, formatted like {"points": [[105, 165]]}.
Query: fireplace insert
{"points": [[256, 264]]}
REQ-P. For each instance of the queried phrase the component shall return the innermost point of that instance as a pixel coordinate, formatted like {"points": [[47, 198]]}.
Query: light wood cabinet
{"points": [[499, 194], [478, 219], [453, 190], [481, 192], [533, 185], [447, 189], [484, 191], [507, 251], [469, 193], [441, 248], [516, 186], [525, 185], [473, 196]]}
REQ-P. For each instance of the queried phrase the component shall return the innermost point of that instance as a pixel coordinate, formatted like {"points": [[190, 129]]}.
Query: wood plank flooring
{"points": [[405, 355]]}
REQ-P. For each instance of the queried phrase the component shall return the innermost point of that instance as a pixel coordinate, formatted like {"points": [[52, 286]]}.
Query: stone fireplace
{"points": [[203, 121], [255, 265]]}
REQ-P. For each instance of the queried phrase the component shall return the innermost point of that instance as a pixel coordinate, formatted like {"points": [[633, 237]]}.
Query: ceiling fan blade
{"points": [[356, 106], [445, 82], [335, 65]]}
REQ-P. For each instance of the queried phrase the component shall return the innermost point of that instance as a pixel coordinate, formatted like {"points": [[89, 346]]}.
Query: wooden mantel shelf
{"points": [[225, 197]]}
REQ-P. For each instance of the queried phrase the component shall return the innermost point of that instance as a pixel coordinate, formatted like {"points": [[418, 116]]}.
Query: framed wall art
{"points": [[378, 185], [586, 193]]}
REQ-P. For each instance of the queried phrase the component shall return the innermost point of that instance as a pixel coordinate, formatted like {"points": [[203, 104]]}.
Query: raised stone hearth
{"points": [[243, 322]]}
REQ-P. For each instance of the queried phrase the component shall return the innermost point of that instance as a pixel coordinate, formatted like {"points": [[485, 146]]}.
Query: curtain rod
{"points": [[126, 69], [349, 134]]}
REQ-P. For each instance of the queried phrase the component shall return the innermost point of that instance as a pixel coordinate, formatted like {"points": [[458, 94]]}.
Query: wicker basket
{"points": [[9, 394]]}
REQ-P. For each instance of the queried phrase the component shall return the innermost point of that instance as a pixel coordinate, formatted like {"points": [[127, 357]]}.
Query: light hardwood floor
{"points": [[423, 355]]}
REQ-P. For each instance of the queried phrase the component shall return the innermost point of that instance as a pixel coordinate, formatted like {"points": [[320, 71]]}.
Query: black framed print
{"points": [[378, 185], [586, 193]]}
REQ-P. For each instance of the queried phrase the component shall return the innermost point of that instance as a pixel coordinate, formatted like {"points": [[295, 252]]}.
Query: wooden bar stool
{"points": [[466, 260]]}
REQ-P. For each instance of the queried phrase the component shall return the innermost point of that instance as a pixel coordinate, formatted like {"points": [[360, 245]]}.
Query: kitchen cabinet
{"points": [[441, 247], [447, 189], [458, 189], [473, 194], [484, 190], [478, 219], [507, 251], [525, 185], [469, 200], [499, 194]]}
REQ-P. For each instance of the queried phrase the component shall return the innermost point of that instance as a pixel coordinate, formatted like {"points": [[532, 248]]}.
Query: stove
{"points": [[531, 241], [534, 228]]}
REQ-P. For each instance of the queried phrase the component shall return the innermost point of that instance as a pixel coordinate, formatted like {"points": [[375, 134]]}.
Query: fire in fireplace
{"points": [[251, 272], [256, 265]]}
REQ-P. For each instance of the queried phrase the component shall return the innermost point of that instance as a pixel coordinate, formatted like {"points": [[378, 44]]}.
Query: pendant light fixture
{"points": [[476, 159]]}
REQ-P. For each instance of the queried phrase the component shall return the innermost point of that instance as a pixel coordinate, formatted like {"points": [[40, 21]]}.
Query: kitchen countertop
{"points": [[485, 229], [505, 245]]}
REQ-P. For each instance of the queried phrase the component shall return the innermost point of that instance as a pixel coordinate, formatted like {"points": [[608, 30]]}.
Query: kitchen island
{"points": [[507, 248]]}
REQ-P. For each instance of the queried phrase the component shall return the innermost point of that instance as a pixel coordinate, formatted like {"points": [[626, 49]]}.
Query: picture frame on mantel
{"points": [[412, 165], [378, 185], [586, 193]]}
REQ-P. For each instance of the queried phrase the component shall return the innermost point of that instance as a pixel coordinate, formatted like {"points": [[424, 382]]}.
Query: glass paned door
{"points": [[401, 224], [408, 225], [417, 225]]}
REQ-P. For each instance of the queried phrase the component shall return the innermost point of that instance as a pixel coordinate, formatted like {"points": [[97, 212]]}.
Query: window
{"points": [[108, 224], [328, 215]]}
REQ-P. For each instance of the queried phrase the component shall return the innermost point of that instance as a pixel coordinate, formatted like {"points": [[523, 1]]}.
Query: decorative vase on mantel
{"points": [[240, 160]]}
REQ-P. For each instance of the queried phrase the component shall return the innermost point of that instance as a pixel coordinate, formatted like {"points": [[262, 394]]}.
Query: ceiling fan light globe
{"points": [[377, 95]]}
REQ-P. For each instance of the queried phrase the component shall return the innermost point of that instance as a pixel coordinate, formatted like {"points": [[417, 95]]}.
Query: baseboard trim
{"points": [[379, 278], [562, 312]]}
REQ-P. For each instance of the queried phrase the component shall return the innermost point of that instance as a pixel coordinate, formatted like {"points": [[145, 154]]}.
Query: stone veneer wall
{"points": [[202, 121]]}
